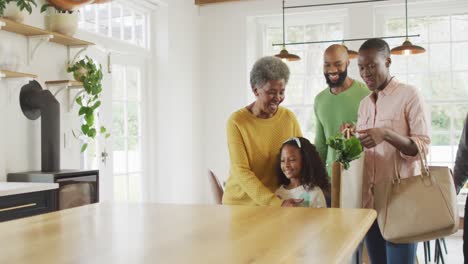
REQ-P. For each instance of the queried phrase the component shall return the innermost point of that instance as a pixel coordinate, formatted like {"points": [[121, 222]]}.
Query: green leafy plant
{"points": [[21, 4], [87, 72], [3, 4], [347, 149], [46, 6]]}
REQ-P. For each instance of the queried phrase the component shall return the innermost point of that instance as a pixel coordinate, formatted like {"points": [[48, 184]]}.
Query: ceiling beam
{"points": [[206, 2]]}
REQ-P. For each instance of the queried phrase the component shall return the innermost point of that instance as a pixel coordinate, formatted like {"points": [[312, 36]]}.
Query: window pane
{"points": [[313, 32], [128, 22], [133, 85], [420, 81], [460, 85], [119, 155], [133, 119], [309, 128], [118, 74], [295, 33], [441, 140], [334, 31], [294, 91], [120, 188], [460, 56], [399, 64], [418, 26], [418, 63], [103, 14], [134, 186], [134, 157], [439, 84], [140, 31], [439, 57], [460, 26], [117, 21], [88, 18], [440, 116], [459, 115], [317, 85], [274, 36], [118, 115], [439, 29]]}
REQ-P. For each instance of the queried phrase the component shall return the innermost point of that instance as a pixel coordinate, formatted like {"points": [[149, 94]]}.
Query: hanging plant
{"points": [[89, 100]]}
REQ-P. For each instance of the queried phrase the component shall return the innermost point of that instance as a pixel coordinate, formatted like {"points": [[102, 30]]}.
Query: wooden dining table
{"points": [[109, 233]]}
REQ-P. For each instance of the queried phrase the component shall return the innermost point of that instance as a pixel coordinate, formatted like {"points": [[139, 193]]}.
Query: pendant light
{"points": [[284, 54], [351, 53], [407, 48]]}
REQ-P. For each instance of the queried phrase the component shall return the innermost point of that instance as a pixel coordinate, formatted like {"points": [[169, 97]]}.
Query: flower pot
{"points": [[62, 23], [81, 72], [13, 12]]}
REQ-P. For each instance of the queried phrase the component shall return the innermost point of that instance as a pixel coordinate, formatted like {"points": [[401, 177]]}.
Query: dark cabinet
{"points": [[27, 204]]}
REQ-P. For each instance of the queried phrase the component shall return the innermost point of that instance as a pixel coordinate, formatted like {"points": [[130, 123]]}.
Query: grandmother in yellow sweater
{"points": [[255, 134]]}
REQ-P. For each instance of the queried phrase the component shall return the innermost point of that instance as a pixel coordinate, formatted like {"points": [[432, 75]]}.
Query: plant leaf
{"points": [[83, 147]]}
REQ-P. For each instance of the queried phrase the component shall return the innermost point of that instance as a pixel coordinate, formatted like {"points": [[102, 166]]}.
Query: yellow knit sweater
{"points": [[254, 145]]}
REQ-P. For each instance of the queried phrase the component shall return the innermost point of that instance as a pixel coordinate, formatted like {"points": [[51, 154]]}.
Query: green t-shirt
{"points": [[332, 110]]}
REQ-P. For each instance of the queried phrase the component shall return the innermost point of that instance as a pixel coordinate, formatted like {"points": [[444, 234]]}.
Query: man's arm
{"points": [[461, 163]]}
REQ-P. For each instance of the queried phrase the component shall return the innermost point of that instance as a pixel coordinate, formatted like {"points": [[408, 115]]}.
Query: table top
{"points": [[12, 188], [163, 233]]}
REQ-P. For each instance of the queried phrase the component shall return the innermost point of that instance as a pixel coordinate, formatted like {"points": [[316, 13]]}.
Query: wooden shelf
{"points": [[65, 83], [28, 31], [12, 74]]}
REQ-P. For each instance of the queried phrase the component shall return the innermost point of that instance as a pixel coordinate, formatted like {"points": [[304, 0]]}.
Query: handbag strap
{"points": [[422, 159]]}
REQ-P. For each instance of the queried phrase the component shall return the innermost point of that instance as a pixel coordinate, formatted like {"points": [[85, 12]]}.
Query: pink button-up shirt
{"points": [[399, 107]]}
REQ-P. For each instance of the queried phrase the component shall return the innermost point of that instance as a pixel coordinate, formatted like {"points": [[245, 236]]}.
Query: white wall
{"points": [[19, 136], [229, 49], [177, 106]]}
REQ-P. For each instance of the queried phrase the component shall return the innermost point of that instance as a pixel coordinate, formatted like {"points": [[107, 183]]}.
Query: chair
{"points": [[216, 187]]}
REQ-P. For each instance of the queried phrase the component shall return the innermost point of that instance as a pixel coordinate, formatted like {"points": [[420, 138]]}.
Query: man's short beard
{"points": [[341, 79]]}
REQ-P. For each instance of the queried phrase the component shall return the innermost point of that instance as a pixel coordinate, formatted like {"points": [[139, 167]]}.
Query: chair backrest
{"points": [[216, 187]]}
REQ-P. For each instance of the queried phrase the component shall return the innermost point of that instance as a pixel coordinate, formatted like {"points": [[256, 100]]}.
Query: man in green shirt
{"points": [[338, 103]]}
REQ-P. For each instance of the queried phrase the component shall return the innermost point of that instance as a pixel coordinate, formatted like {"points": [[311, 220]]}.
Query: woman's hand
{"points": [[348, 129], [292, 203], [372, 137]]}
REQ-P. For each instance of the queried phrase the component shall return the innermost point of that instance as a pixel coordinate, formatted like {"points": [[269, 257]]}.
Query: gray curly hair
{"points": [[268, 69]]}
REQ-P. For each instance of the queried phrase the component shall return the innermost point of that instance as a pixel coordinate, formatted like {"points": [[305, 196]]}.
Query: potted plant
{"points": [[16, 9], [60, 20], [87, 72]]}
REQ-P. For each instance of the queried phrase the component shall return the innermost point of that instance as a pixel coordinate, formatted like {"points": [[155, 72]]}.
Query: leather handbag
{"points": [[418, 208]]}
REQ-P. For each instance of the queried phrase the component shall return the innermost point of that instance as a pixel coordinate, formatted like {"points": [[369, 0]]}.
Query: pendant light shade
{"points": [[284, 54], [407, 48]]}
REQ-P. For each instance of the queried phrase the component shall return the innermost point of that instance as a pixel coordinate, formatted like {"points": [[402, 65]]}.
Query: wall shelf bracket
{"points": [[82, 48], [39, 40]]}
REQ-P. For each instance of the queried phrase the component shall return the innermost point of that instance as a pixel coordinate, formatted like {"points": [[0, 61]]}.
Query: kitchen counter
{"points": [[12, 188]]}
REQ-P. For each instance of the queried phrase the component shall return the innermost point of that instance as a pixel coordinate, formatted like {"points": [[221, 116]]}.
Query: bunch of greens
{"points": [[347, 149]]}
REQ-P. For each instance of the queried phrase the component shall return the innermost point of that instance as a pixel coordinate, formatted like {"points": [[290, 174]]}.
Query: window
{"points": [[306, 79], [441, 74], [126, 132], [116, 21]]}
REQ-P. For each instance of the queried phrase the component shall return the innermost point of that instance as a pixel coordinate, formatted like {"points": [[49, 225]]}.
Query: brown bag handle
{"points": [[422, 159]]}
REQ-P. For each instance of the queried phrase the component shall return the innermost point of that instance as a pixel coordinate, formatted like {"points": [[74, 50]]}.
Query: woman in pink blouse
{"points": [[390, 122]]}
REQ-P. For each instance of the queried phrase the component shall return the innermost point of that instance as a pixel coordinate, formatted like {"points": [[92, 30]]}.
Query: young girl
{"points": [[302, 174]]}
